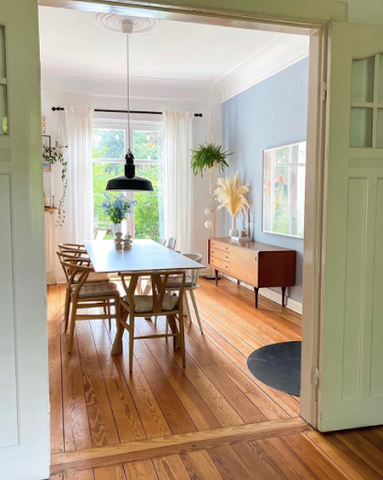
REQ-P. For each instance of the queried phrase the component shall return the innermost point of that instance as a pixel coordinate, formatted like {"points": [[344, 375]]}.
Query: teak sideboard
{"points": [[254, 263]]}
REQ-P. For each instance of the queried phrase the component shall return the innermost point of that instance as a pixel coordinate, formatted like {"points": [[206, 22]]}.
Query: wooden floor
{"points": [[211, 420]]}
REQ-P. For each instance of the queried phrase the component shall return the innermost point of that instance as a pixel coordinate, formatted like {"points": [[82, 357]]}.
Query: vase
{"points": [[117, 228], [233, 232]]}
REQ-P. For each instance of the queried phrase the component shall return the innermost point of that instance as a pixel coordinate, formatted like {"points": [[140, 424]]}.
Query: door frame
{"points": [[317, 134]]}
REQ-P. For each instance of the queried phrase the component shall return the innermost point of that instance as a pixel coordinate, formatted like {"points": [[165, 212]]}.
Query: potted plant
{"points": [[231, 195], [55, 155], [117, 208], [208, 157]]}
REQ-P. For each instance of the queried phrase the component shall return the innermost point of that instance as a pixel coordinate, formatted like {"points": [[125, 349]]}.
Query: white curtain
{"points": [[178, 192], [79, 202]]}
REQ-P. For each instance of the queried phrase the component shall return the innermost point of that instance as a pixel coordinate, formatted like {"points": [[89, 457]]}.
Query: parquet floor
{"points": [[211, 420]]}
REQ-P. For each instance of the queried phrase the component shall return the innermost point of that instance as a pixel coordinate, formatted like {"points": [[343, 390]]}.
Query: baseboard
{"points": [[291, 304]]}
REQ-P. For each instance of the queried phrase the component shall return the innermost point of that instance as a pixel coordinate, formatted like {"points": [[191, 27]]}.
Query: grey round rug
{"points": [[279, 366]]}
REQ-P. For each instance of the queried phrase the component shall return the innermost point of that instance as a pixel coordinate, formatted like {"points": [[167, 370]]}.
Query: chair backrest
{"points": [[194, 274], [75, 266], [171, 243], [158, 282], [76, 248]]}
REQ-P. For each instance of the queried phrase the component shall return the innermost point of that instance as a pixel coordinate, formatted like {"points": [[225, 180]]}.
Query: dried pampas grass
{"points": [[230, 193]]}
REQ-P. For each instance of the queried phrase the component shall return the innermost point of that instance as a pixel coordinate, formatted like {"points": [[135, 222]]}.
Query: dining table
{"points": [[145, 255]]}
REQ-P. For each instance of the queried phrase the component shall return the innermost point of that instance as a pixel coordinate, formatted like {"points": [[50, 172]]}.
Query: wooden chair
{"points": [[191, 284], [72, 278], [171, 243], [159, 302], [85, 295], [75, 248]]}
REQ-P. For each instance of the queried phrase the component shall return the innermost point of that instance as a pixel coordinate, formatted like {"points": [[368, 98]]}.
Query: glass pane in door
{"points": [[379, 129], [3, 110], [363, 80], [361, 127], [380, 79], [2, 52]]}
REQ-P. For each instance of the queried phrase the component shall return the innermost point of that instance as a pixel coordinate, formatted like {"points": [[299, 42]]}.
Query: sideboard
{"points": [[257, 264]]}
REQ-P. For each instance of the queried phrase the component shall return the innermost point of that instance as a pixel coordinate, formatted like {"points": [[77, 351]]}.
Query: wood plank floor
{"points": [[96, 404]]}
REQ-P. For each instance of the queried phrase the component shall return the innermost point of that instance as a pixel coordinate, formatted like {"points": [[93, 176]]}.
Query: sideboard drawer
{"points": [[220, 264], [219, 245], [220, 254]]}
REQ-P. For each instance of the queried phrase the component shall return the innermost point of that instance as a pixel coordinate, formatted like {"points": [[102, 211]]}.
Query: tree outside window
{"points": [[109, 148]]}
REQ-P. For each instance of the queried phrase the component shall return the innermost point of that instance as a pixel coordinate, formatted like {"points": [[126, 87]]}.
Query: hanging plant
{"points": [[208, 157], [55, 155]]}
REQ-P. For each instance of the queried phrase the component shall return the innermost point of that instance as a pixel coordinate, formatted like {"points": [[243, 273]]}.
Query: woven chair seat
{"points": [[144, 303], [96, 289], [94, 277], [175, 282]]}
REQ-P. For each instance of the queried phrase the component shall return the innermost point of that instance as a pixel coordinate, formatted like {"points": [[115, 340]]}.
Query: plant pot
{"points": [[233, 232]]}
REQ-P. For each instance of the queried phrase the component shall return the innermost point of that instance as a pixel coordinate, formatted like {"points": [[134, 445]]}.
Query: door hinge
{"points": [[324, 91]]}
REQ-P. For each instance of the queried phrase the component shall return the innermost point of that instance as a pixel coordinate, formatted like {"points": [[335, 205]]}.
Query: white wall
{"points": [[63, 89]]}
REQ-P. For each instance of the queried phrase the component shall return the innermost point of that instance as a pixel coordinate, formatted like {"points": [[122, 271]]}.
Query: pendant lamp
{"points": [[129, 181]]}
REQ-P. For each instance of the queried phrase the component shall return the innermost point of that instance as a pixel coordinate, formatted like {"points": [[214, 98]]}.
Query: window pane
{"points": [[281, 223], [282, 155], [300, 208], [361, 127], [302, 152], [148, 145], [149, 208], [363, 80], [102, 172], [3, 110], [108, 143]]}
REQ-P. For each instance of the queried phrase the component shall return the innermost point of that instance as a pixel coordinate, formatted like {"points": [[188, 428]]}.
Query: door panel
{"points": [[8, 397], [24, 399], [351, 367]]}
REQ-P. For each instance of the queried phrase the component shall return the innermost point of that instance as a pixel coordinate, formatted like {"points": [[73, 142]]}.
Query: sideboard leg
{"points": [[256, 296], [283, 296], [238, 282], [216, 277]]}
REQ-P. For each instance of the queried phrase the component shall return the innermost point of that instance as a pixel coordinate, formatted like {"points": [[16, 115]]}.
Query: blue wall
{"points": [[269, 114]]}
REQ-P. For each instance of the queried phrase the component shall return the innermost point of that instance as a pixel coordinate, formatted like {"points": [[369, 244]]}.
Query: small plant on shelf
{"points": [[55, 155], [208, 157]]}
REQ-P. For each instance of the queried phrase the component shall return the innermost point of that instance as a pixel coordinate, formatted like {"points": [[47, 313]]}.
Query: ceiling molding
{"points": [[277, 55], [110, 86]]}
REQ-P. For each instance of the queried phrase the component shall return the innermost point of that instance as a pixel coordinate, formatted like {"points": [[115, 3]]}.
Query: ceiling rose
{"points": [[113, 22]]}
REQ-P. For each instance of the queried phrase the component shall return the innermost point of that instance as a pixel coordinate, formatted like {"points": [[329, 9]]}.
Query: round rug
{"points": [[279, 366]]}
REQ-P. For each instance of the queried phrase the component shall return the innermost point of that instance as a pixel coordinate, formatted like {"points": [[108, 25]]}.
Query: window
{"points": [[284, 172], [109, 149]]}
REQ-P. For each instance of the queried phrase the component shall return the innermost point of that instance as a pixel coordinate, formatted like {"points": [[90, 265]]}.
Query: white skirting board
{"points": [[276, 297]]}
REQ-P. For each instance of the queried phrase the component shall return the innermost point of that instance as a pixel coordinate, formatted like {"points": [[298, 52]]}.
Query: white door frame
{"points": [[316, 142]]}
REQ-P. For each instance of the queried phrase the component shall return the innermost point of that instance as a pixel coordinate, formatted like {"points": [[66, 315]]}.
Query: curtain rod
{"points": [[57, 109]]}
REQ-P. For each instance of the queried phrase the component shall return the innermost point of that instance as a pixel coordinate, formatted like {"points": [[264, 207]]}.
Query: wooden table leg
{"points": [[256, 296], [238, 282], [216, 277], [283, 296]]}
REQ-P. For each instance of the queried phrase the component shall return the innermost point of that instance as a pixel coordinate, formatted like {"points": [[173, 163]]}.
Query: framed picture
{"points": [[47, 143]]}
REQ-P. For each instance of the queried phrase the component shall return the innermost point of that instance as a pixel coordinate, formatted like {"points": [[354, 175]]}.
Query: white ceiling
{"points": [[73, 42]]}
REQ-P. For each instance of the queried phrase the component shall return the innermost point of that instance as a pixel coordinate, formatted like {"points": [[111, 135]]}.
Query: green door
{"points": [[351, 352]]}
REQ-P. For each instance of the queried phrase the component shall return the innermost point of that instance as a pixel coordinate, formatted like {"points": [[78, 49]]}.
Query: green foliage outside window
{"points": [[148, 211]]}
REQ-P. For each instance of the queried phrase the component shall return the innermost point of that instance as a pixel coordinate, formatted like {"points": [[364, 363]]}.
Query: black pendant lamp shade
{"points": [[129, 181]]}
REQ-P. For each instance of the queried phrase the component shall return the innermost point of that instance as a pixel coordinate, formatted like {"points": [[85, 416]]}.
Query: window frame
{"points": [[294, 165], [108, 124]]}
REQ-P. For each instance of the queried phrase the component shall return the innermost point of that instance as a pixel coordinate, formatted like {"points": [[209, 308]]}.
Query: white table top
{"points": [[144, 256]]}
